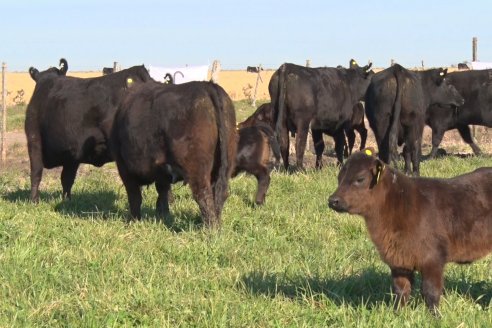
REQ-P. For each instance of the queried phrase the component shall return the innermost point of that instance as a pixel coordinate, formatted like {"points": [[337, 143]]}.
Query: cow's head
{"points": [[440, 91], [358, 182], [50, 72], [264, 114], [360, 78]]}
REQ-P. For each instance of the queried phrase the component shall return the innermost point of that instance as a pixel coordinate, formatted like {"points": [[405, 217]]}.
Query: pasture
{"points": [[290, 263]]}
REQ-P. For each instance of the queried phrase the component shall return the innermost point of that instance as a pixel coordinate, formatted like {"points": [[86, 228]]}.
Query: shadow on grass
{"points": [[24, 195], [367, 289], [441, 153], [100, 204]]}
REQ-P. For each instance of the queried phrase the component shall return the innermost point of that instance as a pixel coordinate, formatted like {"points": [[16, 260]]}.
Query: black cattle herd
{"points": [[163, 133]]}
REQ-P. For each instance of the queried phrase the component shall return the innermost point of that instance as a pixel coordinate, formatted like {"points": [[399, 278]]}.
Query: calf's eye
{"points": [[359, 180]]}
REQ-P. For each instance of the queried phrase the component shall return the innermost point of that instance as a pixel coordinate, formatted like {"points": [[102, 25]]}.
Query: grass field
{"points": [[291, 263]]}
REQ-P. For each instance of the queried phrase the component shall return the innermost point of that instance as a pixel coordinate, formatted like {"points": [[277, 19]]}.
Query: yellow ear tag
{"points": [[129, 81], [368, 152], [379, 174]]}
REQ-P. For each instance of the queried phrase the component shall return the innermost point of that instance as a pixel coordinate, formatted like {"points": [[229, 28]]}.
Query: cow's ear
{"points": [[129, 82], [377, 171], [353, 64], [63, 66], [441, 75], [34, 73]]}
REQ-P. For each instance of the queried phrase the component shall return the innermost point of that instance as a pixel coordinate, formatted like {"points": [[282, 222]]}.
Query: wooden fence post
{"points": [[215, 71], [258, 79], [4, 114]]}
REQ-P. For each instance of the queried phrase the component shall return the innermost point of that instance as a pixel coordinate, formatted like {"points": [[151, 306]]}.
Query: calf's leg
{"points": [[263, 182], [163, 188], [402, 285], [203, 195], [432, 284], [132, 189]]}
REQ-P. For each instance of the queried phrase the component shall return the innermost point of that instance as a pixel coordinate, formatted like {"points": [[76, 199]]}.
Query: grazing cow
{"points": [[322, 98], [108, 70], [50, 72], [263, 114], [396, 103], [476, 89], [418, 224], [257, 144], [165, 133], [68, 121]]}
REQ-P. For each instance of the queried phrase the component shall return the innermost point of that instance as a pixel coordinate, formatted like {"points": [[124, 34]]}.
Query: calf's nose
{"points": [[334, 201]]}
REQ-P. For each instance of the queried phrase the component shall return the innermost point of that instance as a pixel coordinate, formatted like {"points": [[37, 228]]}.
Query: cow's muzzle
{"points": [[336, 203]]}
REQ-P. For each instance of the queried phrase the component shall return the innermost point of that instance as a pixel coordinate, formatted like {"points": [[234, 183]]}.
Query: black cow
{"points": [[165, 133], [108, 70], [396, 104], [257, 144], [476, 89], [254, 69], [68, 121], [322, 98], [50, 72]]}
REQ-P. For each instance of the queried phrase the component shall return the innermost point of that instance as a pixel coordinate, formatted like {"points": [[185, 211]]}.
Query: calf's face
{"points": [[356, 182]]}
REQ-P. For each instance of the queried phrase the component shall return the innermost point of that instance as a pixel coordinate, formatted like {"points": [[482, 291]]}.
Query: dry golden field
{"points": [[238, 84]]}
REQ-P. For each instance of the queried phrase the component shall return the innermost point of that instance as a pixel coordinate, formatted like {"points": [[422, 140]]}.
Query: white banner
{"points": [[180, 74], [480, 65]]}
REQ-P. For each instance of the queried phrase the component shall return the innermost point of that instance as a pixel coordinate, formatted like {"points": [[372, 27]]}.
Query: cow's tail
{"points": [[224, 169], [395, 124], [279, 105]]}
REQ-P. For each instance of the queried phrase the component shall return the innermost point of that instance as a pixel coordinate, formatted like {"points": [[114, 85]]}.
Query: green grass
{"points": [[15, 117], [291, 263]]}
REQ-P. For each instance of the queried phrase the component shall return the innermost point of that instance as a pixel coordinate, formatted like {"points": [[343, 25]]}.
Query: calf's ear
{"points": [[441, 75], [34, 73], [377, 171]]}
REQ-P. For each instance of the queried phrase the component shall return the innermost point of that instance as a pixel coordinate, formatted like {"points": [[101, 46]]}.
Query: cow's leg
{"points": [[402, 285], [339, 138], [263, 182], [319, 146], [465, 133], [407, 157], [163, 187], [36, 161], [432, 284], [301, 138], [351, 141], [68, 174], [363, 136], [437, 135], [132, 189], [284, 146], [203, 195]]}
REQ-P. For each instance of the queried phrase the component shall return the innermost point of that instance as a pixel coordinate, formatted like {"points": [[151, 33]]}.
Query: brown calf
{"points": [[418, 224], [256, 146]]}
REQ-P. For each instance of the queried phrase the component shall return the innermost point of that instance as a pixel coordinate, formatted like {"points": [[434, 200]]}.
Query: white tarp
{"points": [[480, 65], [180, 74]]}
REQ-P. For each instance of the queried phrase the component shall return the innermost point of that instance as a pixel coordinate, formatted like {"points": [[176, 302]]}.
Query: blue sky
{"points": [[91, 34]]}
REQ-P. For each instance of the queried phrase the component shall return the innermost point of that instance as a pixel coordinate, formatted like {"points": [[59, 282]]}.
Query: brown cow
{"points": [[256, 146], [418, 224], [165, 133]]}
